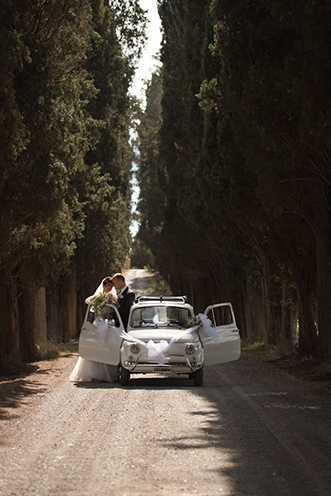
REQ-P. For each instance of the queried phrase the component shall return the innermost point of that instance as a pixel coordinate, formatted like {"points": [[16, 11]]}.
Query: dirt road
{"points": [[250, 430], [139, 281]]}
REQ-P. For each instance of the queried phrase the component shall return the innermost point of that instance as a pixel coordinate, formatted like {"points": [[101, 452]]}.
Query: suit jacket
{"points": [[124, 302]]}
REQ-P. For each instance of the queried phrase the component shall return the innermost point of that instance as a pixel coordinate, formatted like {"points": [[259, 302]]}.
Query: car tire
{"points": [[198, 377], [124, 376]]}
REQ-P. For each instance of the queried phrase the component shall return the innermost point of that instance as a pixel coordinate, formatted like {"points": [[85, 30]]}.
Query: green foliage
{"points": [[160, 286], [243, 149], [149, 173], [104, 184], [39, 207], [131, 23], [189, 252], [141, 256], [272, 95], [64, 146]]}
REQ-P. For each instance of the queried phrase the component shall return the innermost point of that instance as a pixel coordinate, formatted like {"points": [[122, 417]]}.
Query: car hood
{"points": [[159, 334]]}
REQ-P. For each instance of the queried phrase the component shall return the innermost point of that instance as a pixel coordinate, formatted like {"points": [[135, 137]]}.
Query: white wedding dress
{"points": [[89, 371]]}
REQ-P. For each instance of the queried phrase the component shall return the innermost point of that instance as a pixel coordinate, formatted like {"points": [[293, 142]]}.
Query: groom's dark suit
{"points": [[124, 302]]}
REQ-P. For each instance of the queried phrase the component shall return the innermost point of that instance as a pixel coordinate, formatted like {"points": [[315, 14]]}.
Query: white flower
{"points": [[194, 321]]}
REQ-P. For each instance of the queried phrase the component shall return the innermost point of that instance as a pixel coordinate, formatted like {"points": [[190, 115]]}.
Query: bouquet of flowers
{"points": [[99, 302], [194, 321]]}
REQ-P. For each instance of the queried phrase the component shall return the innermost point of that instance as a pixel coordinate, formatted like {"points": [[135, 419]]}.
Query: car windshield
{"points": [[160, 316]]}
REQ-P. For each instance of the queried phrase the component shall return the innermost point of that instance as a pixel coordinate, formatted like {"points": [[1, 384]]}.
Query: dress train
{"points": [[88, 371]]}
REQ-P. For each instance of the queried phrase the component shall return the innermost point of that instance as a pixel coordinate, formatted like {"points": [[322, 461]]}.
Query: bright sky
{"points": [[144, 71], [147, 63]]}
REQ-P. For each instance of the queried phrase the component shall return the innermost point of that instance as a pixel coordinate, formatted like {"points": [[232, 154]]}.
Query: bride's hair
{"points": [[101, 289]]}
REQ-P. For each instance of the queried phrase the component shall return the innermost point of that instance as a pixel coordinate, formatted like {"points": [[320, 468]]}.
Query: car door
{"points": [[224, 331], [99, 340]]}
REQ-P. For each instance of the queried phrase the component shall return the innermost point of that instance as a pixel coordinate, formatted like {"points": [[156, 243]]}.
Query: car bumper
{"points": [[174, 361], [173, 367]]}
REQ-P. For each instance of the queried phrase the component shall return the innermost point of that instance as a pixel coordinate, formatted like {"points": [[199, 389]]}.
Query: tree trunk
{"points": [[288, 319], [72, 304], [27, 324], [52, 315], [3, 320], [41, 325], [324, 282], [255, 314], [80, 309], [12, 343], [63, 309], [58, 303], [240, 314], [265, 299], [307, 329]]}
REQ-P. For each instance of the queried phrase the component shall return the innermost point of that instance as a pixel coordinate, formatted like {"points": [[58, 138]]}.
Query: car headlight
{"points": [[190, 349], [135, 348]]}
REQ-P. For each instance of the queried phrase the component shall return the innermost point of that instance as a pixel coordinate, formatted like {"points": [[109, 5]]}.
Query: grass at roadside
{"points": [[260, 352], [306, 368], [50, 350], [46, 351]]}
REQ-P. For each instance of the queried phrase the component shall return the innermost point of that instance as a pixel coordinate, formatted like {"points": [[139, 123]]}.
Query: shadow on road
{"points": [[32, 380], [143, 382]]}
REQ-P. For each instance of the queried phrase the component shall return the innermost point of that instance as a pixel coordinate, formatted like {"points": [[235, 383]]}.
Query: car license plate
{"points": [[162, 369]]}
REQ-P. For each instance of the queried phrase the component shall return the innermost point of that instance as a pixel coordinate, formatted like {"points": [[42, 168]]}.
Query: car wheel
{"points": [[198, 377], [124, 376]]}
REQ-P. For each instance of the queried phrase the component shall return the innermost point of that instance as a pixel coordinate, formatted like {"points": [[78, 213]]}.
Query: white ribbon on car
{"points": [[157, 351], [207, 328]]}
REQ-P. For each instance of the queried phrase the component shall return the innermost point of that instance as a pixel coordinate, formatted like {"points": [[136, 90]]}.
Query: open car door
{"points": [[98, 340], [223, 322]]}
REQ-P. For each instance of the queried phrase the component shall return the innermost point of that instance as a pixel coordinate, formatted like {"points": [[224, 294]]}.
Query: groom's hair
{"points": [[119, 276]]}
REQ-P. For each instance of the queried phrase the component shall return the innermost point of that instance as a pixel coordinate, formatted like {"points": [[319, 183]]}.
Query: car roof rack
{"points": [[178, 299]]}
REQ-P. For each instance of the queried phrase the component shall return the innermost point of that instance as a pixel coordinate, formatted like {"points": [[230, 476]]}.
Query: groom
{"points": [[125, 297]]}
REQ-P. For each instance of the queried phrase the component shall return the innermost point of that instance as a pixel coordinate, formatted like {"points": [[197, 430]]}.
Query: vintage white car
{"points": [[163, 337]]}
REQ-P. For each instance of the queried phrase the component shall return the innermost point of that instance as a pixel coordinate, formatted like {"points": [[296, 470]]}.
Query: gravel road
{"points": [[250, 430]]}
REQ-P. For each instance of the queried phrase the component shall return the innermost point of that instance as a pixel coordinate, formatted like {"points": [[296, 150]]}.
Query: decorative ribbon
{"points": [[157, 351], [207, 329]]}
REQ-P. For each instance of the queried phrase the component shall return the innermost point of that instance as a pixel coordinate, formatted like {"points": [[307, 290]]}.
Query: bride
{"points": [[87, 370]]}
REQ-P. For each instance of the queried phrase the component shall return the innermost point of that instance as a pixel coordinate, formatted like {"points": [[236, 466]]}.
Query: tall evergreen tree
{"points": [[228, 173], [151, 196], [65, 159], [105, 185], [40, 211], [278, 88]]}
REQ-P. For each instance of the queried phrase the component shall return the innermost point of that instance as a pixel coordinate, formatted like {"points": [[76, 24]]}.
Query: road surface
{"points": [[250, 430]]}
